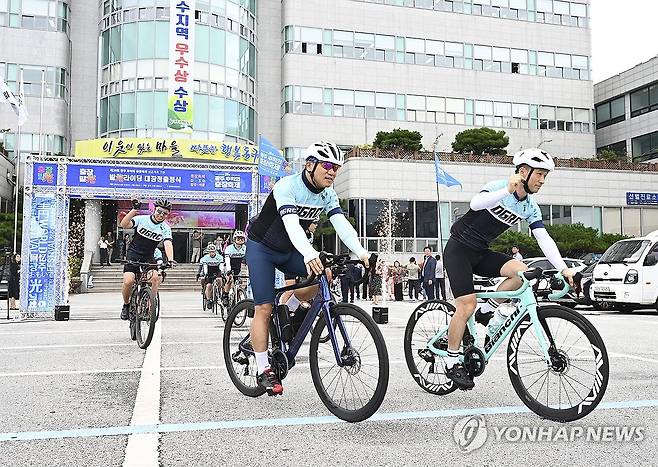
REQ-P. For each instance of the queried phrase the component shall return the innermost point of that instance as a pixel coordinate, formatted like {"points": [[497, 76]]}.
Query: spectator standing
{"points": [[440, 283], [14, 280], [429, 272], [376, 277], [398, 276], [347, 284], [413, 271], [357, 275], [110, 248], [102, 244], [197, 240], [516, 254]]}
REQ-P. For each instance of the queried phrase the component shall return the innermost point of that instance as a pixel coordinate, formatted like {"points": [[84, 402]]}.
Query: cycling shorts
{"points": [[262, 261], [131, 256], [461, 262]]}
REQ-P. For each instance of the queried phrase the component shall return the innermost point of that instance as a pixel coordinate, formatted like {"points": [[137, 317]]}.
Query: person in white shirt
{"points": [[103, 245], [515, 253], [440, 282]]}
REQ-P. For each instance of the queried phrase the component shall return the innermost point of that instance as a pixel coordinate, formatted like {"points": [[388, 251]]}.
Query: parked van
{"points": [[626, 276]]}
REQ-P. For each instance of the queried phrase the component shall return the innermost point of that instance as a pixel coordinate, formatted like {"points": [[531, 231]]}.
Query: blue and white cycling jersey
{"points": [[157, 255], [147, 235], [291, 195], [234, 256], [477, 229], [211, 264]]}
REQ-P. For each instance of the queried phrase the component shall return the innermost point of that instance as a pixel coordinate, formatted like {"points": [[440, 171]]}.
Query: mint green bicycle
{"points": [[556, 359]]}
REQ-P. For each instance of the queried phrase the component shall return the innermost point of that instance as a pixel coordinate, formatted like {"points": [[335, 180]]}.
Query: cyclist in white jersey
{"points": [[276, 239], [500, 205], [234, 255], [210, 263], [149, 231]]}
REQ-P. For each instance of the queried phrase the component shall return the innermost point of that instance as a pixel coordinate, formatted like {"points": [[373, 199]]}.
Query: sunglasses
{"points": [[161, 212], [330, 166]]}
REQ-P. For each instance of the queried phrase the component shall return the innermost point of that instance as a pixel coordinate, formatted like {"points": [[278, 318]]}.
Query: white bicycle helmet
{"points": [[211, 247], [534, 158], [238, 233], [324, 151]]}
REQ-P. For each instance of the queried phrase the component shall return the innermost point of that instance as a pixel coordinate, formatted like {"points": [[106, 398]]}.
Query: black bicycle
{"points": [[144, 303], [350, 369]]}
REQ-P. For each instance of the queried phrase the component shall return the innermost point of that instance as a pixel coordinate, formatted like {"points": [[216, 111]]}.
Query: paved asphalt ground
{"points": [[80, 393]]}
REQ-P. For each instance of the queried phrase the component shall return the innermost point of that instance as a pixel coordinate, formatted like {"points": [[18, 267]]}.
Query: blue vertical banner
{"points": [[271, 162], [41, 261]]}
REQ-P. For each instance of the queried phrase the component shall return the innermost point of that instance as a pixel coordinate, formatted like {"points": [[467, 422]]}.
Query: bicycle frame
{"points": [[527, 306], [322, 303]]}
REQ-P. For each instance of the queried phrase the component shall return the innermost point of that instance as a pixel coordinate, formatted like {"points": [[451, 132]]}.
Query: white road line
{"points": [[56, 331], [142, 448], [109, 344], [69, 372]]}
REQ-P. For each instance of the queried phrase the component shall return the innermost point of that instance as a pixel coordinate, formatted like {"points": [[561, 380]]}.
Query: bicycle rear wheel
{"points": [[577, 377], [427, 368], [352, 392], [241, 365], [146, 316]]}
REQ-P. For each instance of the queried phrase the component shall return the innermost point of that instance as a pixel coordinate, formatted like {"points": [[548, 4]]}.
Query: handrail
{"points": [[84, 270]]}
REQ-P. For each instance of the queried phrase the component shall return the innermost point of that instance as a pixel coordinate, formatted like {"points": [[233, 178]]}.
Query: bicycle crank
{"points": [[474, 361], [279, 363]]}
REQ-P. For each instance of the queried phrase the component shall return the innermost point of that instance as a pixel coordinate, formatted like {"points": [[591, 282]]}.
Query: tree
{"points": [[398, 139], [608, 154], [326, 229], [7, 231], [481, 141], [573, 240]]}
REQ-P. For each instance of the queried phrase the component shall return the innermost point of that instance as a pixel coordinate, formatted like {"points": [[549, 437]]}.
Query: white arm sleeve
{"points": [[548, 246], [488, 199], [347, 234], [298, 237]]}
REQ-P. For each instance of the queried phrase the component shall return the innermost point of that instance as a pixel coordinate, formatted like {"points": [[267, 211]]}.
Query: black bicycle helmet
{"points": [[163, 203]]}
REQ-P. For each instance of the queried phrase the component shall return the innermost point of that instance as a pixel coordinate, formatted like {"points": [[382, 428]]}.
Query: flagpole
{"points": [[17, 162], [43, 85], [438, 198]]}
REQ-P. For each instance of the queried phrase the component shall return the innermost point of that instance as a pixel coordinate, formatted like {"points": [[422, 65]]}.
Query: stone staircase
{"points": [[110, 278]]}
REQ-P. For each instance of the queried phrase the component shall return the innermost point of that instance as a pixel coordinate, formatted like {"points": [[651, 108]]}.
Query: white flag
{"points": [[17, 104]]}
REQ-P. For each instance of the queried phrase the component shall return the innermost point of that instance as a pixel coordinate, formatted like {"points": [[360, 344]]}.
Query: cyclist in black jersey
{"points": [[500, 205], [149, 231]]}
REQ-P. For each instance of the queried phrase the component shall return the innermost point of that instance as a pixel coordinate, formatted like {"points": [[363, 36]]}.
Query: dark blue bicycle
{"points": [[348, 359]]}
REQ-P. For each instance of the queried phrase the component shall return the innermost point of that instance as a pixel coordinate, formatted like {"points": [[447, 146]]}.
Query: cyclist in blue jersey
{"points": [[500, 205], [234, 255], [149, 231], [276, 239], [210, 264]]}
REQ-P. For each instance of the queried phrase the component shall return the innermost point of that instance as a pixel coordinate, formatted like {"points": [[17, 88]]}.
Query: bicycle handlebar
{"points": [[329, 260], [161, 266]]}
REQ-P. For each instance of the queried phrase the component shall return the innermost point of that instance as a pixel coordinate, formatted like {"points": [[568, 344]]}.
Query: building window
{"points": [[618, 148], [610, 112], [644, 100], [645, 147]]}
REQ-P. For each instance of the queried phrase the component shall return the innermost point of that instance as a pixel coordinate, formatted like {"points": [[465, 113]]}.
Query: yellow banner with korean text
{"points": [[167, 148]]}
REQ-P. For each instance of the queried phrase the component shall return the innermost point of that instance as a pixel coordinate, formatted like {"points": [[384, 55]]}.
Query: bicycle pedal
{"points": [[273, 394]]}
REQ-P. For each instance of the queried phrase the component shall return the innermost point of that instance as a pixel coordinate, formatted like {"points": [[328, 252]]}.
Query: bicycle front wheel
{"points": [[146, 317], [241, 365], [427, 368], [574, 382], [354, 391]]}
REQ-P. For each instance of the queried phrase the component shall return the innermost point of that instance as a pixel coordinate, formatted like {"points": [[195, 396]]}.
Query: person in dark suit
{"points": [[347, 285], [429, 271], [357, 275]]}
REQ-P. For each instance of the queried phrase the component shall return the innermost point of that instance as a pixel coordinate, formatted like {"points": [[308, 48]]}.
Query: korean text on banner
{"points": [[271, 162], [41, 262], [180, 108]]}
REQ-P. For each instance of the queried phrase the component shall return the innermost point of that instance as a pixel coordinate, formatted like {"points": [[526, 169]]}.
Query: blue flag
{"points": [[271, 161], [443, 177]]}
